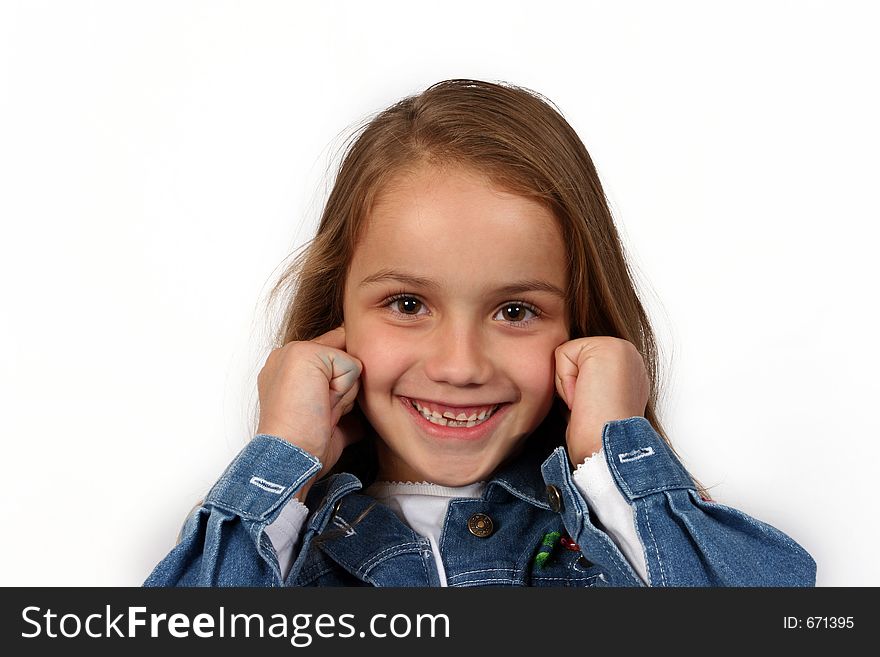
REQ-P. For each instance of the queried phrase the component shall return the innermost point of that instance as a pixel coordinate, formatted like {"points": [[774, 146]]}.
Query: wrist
{"points": [[580, 448], [578, 456]]}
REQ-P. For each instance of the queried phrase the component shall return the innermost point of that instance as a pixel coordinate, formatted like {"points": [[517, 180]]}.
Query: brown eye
{"points": [[517, 313], [514, 312], [408, 305]]}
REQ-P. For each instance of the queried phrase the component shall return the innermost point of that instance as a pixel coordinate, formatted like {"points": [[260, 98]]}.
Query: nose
{"points": [[457, 354]]}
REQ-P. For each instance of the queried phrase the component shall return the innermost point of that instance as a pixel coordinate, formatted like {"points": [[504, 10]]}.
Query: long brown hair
{"points": [[521, 143]]}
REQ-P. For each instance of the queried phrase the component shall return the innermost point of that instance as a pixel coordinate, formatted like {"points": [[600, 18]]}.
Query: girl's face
{"points": [[454, 301]]}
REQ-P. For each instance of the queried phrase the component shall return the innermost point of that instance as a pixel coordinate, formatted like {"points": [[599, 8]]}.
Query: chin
{"points": [[456, 477]]}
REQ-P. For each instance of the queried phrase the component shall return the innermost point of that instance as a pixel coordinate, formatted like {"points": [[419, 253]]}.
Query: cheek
{"points": [[534, 368], [536, 371], [383, 358]]}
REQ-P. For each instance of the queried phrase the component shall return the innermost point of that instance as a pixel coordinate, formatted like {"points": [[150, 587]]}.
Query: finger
{"points": [[345, 403], [566, 377], [557, 380], [334, 338], [345, 370]]}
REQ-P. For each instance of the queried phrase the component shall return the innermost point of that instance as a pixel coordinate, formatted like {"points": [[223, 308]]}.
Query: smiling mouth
{"points": [[450, 419]]}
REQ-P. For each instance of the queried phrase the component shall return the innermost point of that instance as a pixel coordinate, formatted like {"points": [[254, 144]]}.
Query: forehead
{"points": [[456, 227]]}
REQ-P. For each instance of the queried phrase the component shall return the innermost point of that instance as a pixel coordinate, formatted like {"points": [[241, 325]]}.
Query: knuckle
{"points": [[622, 346], [298, 349], [610, 342]]}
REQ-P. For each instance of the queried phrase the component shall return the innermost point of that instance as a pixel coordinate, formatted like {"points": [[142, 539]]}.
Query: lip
{"points": [[477, 432]]}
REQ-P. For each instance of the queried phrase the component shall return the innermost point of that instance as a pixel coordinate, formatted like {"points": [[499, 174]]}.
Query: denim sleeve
{"points": [[223, 542], [689, 541]]}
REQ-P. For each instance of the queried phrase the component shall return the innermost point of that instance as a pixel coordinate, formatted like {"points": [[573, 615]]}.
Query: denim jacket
{"points": [[687, 541]]}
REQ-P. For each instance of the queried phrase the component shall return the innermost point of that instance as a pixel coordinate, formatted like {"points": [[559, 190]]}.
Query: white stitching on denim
{"points": [[656, 549], [661, 489], [511, 571], [676, 485], [266, 485], [510, 488], [487, 570], [636, 454], [241, 511], [289, 445], [635, 510], [477, 582], [754, 522], [390, 552]]}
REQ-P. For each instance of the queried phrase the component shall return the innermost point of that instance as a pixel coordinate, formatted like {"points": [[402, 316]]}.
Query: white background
{"points": [[158, 161]]}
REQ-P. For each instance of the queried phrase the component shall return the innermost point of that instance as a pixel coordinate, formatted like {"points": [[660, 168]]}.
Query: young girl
{"points": [[465, 390]]}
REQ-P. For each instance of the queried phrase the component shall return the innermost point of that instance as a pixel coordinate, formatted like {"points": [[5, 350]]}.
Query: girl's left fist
{"points": [[601, 379]]}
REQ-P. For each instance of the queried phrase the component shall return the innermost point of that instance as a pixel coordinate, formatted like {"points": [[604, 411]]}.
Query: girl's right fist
{"points": [[305, 387]]}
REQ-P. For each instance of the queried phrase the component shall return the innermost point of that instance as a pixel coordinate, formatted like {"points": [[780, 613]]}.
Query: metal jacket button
{"points": [[554, 498], [480, 525]]}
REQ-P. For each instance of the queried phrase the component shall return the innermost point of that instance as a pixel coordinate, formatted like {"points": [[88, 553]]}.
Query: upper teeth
{"points": [[448, 417]]}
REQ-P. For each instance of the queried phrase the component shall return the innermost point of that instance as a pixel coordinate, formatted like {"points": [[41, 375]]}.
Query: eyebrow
{"points": [[529, 285]]}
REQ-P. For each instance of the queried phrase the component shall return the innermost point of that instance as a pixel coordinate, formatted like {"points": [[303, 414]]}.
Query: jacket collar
{"points": [[522, 476]]}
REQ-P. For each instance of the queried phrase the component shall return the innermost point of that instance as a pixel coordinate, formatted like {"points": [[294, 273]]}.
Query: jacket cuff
{"points": [[261, 479], [640, 460]]}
